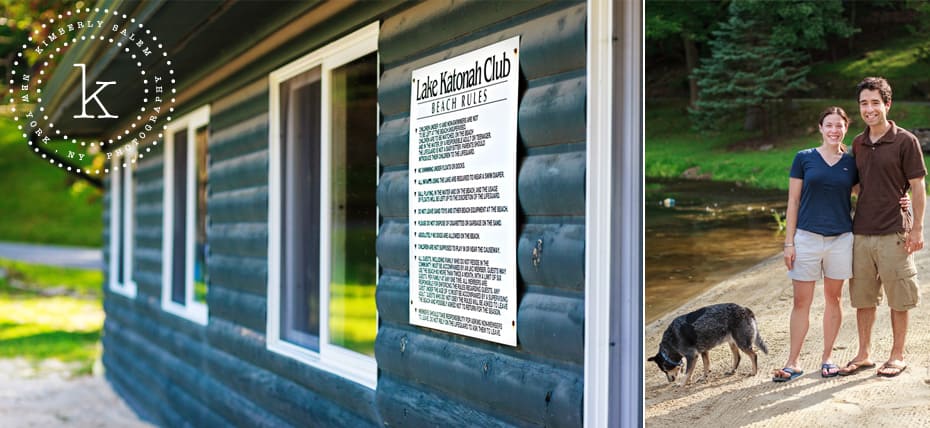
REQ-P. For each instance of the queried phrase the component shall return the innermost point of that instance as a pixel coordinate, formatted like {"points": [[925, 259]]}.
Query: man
{"points": [[890, 162]]}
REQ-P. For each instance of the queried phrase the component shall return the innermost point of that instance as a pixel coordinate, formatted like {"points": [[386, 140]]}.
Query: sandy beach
{"points": [[863, 399]]}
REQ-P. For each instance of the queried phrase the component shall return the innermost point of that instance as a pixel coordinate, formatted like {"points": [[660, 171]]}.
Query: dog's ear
{"points": [[651, 359]]}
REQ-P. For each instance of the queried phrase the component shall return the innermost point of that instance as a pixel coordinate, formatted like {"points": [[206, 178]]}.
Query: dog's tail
{"points": [[759, 342]]}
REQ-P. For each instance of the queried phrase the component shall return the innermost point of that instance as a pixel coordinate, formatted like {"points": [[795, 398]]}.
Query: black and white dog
{"points": [[702, 330]]}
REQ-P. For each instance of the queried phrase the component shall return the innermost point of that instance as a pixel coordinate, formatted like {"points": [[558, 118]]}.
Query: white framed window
{"points": [[323, 218], [122, 223], [184, 244]]}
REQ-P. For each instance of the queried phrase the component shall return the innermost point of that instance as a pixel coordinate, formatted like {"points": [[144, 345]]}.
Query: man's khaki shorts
{"points": [[880, 261]]}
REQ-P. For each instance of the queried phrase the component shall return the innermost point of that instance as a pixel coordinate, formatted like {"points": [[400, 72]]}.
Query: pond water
{"points": [[699, 233]]}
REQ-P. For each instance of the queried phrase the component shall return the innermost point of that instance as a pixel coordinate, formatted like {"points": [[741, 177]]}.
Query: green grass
{"points": [[41, 203], [352, 321], [84, 282], [64, 326], [896, 60], [200, 291], [733, 155]]}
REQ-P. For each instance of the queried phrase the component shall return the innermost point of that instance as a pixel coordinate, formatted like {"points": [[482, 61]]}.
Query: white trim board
{"points": [[356, 367], [613, 279], [121, 209], [627, 239], [613, 382], [191, 309]]}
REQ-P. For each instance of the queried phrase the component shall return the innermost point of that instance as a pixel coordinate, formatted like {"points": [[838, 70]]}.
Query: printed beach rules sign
{"points": [[463, 193]]}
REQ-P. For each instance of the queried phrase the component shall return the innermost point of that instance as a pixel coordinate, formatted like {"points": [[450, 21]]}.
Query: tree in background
{"points": [[691, 22], [19, 18], [759, 59], [922, 8]]}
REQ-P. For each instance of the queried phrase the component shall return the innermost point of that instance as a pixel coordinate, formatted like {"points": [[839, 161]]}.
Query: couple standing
{"points": [[874, 249]]}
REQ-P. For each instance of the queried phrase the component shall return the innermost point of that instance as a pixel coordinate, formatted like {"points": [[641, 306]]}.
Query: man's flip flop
{"points": [[853, 367], [898, 369], [792, 374], [829, 370]]}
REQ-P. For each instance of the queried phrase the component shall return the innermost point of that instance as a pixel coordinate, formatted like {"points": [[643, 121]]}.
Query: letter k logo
{"points": [[85, 99]]}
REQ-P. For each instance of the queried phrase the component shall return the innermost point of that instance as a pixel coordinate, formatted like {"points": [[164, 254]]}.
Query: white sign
{"points": [[463, 194]]}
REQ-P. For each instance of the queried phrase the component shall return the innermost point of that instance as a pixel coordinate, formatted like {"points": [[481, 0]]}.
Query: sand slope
{"points": [[863, 399]]}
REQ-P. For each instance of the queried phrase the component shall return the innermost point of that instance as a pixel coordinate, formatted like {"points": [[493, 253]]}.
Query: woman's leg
{"points": [[800, 319], [832, 314]]}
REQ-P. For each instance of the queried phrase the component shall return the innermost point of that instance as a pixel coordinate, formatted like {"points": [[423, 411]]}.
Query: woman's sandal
{"points": [[792, 374]]}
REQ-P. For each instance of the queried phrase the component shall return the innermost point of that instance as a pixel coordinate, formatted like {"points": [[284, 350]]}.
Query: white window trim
{"points": [[191, 309], [351, 365], [121, 202], [613, 384], [598, 206]]}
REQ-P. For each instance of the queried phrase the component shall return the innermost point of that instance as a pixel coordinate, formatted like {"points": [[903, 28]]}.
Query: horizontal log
{"points": [[554, 112], [435, 23], [247, 274], [146, 345], [247, 310], [246, 170], [240, 106], [542, 177], [149, 188], [393, 246], [558, 260], [249, 346], [392, 195], [535, 392], [393, 141], [404, 405], [393, 297], [249, 205], [238, 239], [552, 326], [136, 387], [148, 238], [150, 167], [279, 394], [148, 283]]}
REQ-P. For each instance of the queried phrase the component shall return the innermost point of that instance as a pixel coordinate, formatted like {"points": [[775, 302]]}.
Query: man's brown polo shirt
{"points": [[884, 170]]}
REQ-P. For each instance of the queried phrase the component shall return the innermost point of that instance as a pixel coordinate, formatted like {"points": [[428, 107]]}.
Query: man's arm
{"points": [[915, 239]]}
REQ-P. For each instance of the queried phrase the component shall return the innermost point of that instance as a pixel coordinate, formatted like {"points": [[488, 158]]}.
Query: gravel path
{"points": [[53, 255], [45, 396]]}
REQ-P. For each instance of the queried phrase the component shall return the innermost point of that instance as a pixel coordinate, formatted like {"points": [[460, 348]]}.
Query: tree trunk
{"points": [[852, 23], [7, 64], [691, 59], [754, 119]]}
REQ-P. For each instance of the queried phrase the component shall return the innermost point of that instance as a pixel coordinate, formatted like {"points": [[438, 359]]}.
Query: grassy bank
{"points": [[898, 60], [48, 312], [672, 147], [40, 203]]}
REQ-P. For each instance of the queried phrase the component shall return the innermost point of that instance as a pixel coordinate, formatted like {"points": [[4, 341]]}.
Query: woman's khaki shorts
{"points": [[818, 256], [880, 261]]}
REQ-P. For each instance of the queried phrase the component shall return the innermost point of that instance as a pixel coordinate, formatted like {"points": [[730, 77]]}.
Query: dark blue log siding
{"points": [[429, 377], [176, 372], [221, 374]]}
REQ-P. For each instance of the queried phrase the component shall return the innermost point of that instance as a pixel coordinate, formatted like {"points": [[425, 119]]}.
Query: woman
{"points": [[818, 239]]}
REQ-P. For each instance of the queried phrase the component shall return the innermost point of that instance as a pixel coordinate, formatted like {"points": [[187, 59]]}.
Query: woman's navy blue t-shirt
{"points": [[825, 207]]}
